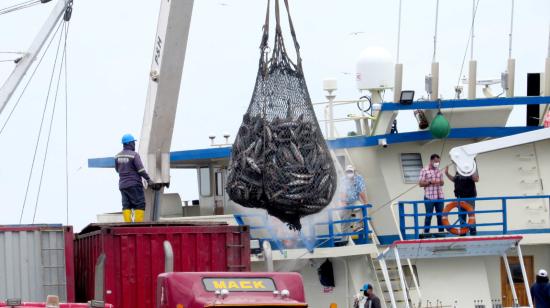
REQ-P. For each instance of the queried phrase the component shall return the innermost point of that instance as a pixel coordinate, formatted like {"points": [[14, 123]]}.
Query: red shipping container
{"points": [[135, 257]]}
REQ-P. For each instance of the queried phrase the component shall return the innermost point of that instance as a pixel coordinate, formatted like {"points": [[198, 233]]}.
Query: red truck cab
{"points": [[230, 289]]}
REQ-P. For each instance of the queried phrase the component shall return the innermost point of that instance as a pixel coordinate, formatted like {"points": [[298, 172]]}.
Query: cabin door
{"points": [[515, 268]]}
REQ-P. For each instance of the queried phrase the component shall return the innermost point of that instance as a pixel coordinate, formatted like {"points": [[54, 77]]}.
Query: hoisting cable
{"points": [[17, 7], [50, 124], [29, 80], [41, 126], [66, 126]]}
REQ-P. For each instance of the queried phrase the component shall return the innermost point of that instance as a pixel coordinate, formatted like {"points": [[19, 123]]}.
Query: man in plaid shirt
{"points": [[431, 178]]}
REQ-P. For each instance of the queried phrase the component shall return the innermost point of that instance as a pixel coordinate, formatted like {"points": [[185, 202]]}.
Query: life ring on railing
{"points": [[466, 207]]}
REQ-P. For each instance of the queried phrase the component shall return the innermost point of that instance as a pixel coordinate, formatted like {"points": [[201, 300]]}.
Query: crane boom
{"points": [[23, 65], [162, 95], [464, 156]]}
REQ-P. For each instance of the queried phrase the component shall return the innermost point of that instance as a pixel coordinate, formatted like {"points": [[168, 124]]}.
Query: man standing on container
{"points": [[431, 178], [130, 169]]}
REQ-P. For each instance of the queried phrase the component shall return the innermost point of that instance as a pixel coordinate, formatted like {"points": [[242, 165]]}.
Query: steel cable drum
{"points": [[280, 161]]}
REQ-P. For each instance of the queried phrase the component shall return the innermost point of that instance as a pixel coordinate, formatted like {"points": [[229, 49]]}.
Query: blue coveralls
{"points": [[130, 169]]}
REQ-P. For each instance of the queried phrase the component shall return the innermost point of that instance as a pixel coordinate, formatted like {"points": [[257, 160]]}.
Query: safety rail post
{"points": [[330, 228], [415, 217], [402, 224], [365, 223], [504, 217]]}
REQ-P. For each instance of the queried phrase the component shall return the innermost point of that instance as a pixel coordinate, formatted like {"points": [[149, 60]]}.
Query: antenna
{"points": [[435, 30], [399, 32], [472, 33], [511, 31]]}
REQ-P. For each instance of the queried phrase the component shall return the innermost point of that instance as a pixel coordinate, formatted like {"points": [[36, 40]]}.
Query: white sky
{"points": [[110, 50]]}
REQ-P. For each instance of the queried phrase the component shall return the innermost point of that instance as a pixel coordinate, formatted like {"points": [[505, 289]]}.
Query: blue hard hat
{"points": [[128, 138], [365, 287]]}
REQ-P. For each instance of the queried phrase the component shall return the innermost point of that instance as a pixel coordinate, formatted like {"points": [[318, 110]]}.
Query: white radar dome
{"points": [[375, 69]]}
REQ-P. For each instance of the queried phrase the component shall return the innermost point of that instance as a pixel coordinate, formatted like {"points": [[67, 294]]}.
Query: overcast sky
{"points": [[109, 54]]}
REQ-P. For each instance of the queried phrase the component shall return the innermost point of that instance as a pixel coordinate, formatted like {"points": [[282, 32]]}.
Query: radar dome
{"points": [[375, 69]]}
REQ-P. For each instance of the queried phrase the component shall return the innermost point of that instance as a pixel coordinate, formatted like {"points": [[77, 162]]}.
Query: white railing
{"points": [[361, 119]]}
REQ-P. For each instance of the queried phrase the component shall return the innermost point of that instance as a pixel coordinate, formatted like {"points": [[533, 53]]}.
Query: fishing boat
{"points": [[384, 243]]}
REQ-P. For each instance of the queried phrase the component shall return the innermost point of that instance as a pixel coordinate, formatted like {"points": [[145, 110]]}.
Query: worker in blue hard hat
{"points": [[367, 299], [130, 169]]}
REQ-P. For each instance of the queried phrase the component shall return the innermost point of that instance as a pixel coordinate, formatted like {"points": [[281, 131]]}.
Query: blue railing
{"points": [[493, 226], [337, 230]]}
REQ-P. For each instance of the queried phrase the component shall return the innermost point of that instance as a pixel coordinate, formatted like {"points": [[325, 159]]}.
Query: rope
{"points": [[18, 7], [29, 80], [40, 130]]}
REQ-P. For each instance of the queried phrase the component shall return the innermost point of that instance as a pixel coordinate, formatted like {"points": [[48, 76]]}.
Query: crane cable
{"points": [[66, 127], [58, 82], [29, 80], [41, 122], [20, 6]]}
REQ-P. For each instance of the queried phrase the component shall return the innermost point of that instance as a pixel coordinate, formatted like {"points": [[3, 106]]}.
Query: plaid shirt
{"points": [[432, 192]]}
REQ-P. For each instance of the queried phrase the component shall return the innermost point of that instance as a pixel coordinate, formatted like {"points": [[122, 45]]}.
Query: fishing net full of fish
{"points": [[280, 161]]}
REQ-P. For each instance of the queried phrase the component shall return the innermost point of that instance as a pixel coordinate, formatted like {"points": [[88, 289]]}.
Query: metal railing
{"points": [[336, 231], [413, 231]]}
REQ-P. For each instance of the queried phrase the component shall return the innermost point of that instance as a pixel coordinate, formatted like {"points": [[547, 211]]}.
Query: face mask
{"points": [[436, 165], [349, 175]]}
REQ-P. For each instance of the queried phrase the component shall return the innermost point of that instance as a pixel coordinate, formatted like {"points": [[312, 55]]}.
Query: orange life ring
{"points": [[466, 207]]}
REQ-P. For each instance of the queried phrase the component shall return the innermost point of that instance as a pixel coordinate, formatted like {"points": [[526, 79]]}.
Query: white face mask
{"points": [[436, 165], [349, 175]]}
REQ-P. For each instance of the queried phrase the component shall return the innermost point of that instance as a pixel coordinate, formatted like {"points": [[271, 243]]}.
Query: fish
{"points": [[281, 164], [297, 155], [258, 148], [268, 134], [253, 165], [298, 182], [302, 176]]}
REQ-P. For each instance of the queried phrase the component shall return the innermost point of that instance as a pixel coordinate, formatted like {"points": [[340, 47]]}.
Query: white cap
{"points": [[542, 273], [350, 168]]}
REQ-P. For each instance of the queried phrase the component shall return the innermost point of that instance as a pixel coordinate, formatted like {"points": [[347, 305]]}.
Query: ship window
{"points": [[219, 183], [204, 182], [411, 164]]}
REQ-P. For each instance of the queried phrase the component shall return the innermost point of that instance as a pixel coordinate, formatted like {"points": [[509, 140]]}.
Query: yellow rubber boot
{"points": [[138, 215], [127, 215]]}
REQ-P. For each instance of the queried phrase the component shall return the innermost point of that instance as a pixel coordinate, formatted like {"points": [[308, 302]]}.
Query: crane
{"points": [[62, 9], [464, 156], [161, 103], [163, 90]]}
